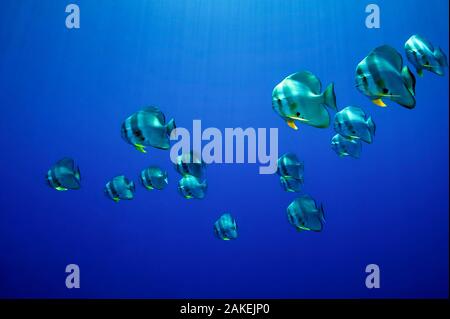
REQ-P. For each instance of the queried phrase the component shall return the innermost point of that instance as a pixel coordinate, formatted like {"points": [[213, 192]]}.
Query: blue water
{"points": [[66, 92]]}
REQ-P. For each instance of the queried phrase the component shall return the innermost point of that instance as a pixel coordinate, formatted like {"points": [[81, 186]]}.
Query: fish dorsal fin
{"points": [[356, 111], [67, 162], [424, 41], [391, 55], [308, 204], [157, 112], [308, 79]]}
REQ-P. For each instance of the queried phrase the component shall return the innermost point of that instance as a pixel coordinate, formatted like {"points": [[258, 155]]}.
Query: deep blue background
{"points": [[65, 93]]}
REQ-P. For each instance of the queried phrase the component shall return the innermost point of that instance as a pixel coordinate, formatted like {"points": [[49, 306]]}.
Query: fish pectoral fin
{"points": [[60, 188], [140, 148], [302, 228], [116, 199], [379, 102], [291, 124], [430, 66]]}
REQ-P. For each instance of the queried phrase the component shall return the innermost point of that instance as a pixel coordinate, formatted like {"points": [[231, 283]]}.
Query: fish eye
{"points": [[298, 113], [385, 90]]}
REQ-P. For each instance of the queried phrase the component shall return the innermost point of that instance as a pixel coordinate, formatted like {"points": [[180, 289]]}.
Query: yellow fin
{"points": [[140, 148], [379, 102], [291, 124], [116, 199]]}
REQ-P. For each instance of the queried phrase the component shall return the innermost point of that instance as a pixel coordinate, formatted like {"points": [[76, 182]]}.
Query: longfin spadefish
{"points": [[291, 124], [379, 102], [140, 148]]}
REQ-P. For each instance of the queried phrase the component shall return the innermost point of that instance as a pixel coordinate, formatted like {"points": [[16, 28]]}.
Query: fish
{"points": [[298, 98], [345, 146], [120, 188], [291, 184], [225, 227], [423, 56], [289, 165], [191, 187], [64, 175], [154, 178], [352, 122], [147, 128], [304, 214], [381, 75], [290, 170], [190, 164]]}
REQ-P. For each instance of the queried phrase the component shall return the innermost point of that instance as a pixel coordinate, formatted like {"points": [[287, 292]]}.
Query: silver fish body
{"points": [[352, 122], [298, 98], [423, 56]]}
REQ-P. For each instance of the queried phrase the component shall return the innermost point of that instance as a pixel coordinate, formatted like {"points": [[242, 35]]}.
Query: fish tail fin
{"points": [[409, 80], [371, 125], [322, 213], [441, 57], [329, 97], [170, 126], [78, 174]]}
